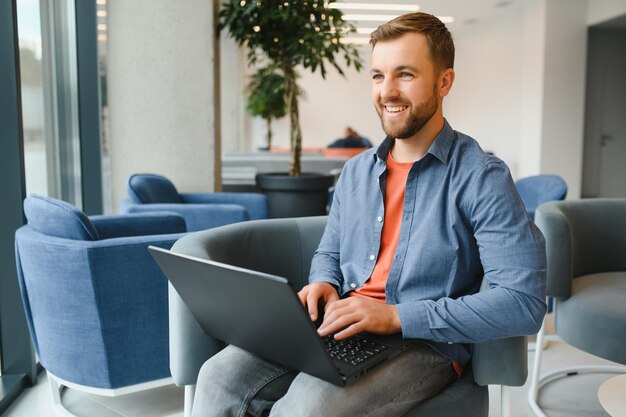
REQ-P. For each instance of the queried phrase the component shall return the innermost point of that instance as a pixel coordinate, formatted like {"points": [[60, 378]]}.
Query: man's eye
{"points": [[406, 75], [377, 77]]}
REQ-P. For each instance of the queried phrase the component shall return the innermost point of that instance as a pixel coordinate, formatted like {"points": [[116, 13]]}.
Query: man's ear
{"points": [[446, 79]]}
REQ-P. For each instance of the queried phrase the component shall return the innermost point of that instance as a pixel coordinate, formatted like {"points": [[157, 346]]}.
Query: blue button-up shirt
{"points": [[463, 221]]}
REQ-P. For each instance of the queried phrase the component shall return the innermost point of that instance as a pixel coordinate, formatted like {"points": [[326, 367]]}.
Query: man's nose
{"points": [[389, 90]]}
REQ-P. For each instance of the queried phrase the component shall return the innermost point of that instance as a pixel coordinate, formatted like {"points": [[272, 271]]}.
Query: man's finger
{"points": [[302, 294], [311, 304], [337, 323], [348, 332]]}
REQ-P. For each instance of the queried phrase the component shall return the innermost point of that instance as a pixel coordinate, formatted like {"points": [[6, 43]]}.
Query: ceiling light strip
{"points": [[355, 41], [385, 17], [375, 6]]}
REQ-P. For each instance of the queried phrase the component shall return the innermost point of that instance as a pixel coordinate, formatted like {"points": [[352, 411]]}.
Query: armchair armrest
{"points": [[198, 216], [556, 228], [500, 361], [138, 224], [255, 203], [190, 347]]}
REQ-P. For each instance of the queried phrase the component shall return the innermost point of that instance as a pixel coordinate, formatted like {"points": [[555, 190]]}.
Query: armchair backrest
{"points": [[582, 237], [151, 189], [57, 218], [539, 189], [285, 247]]}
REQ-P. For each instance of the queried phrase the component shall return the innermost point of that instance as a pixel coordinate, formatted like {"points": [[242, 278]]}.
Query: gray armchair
{"points": [[285, 247], [586, 252]]}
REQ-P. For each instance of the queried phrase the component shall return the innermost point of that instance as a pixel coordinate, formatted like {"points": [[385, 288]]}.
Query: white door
{"points": [[612, 138]]}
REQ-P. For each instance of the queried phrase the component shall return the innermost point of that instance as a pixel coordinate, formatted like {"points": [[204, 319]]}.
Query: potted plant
{"points": [[266, 93], [289, 34]]}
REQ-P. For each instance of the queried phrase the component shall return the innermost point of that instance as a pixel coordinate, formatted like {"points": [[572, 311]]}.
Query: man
{"points": [[351, 139], [416, 224]]}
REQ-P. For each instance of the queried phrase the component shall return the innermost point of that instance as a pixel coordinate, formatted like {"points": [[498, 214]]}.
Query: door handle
{"points": [[605, 138]]}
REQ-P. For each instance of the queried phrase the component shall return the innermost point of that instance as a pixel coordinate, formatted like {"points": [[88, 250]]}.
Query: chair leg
{"points": [[537, 380], [56, 389], [505, 401], [533, 390], [547, 338], [190, 391]]}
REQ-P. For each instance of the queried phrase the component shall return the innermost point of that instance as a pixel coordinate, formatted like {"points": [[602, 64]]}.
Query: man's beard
{"points": [[416, 121]]}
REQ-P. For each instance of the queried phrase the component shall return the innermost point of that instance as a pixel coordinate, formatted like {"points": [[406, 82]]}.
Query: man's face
{"points": [[404, 85]]}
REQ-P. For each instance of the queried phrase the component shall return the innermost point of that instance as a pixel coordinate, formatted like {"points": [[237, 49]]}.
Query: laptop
{"points": [[261, 313]]}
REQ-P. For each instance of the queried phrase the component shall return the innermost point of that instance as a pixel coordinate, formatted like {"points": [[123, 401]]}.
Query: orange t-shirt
{"points": [[397, 174], [374, 288]]}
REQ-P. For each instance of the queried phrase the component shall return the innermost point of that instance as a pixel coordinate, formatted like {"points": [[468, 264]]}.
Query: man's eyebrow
{"points": [[398, 68], [407, 67]]}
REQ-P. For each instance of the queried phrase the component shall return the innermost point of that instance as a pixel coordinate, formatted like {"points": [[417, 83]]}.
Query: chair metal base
{"points": [[537, 382], [57, 386], [190, 392]]}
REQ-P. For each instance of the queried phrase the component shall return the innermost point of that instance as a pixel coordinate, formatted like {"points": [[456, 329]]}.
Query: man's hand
{"points": [[311, 295], [356, 314]]}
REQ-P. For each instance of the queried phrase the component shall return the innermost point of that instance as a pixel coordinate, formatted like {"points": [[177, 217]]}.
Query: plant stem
{"points": [[294, 119], [269, 133]]}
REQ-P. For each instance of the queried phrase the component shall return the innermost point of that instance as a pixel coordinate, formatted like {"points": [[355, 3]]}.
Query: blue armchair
{"points": [[539, 189], [150, 192], [95, 301]]}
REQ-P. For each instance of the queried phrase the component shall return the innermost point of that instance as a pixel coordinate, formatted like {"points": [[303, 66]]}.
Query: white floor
{"points": [[574, 396]]}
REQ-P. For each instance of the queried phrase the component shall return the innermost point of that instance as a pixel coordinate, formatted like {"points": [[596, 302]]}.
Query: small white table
{"points": [[612, 395]]}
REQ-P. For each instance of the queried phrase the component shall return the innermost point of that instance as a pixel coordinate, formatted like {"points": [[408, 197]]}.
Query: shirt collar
{"points": [[440, 147]]}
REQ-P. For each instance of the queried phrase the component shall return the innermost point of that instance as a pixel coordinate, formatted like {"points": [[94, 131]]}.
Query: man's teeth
{"points": [[395, 109]]}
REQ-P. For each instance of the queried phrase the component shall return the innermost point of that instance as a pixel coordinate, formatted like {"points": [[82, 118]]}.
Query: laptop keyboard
{"points": [[354, 350]]}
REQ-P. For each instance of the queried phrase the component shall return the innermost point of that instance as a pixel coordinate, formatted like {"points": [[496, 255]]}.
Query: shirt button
{"points": [[398, 257], [372, 257], [353, 285], [379, 218]]}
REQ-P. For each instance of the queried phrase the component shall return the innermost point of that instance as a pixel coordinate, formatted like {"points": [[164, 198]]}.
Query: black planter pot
{"points": [[306, 195]]}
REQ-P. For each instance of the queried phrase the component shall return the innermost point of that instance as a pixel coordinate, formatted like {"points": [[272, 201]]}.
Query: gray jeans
{"points": [[237, 383]]}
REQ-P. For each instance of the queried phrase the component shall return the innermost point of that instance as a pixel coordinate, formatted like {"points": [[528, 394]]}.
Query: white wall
{"points": [[233, 81], [564, 91], [486, 98], [601, 10], [160, 91], [520, 89], [532, 54], [328, 107]]}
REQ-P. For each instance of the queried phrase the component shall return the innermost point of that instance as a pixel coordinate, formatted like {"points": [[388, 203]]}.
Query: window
{"points": [[50, 130]]}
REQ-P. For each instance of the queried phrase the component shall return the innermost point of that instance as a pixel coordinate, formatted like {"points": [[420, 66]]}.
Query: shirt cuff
{"points": [[325, 278], [414, 320]]}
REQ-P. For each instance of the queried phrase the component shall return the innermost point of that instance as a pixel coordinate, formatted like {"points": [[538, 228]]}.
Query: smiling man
{"points": [[416, 225]]}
